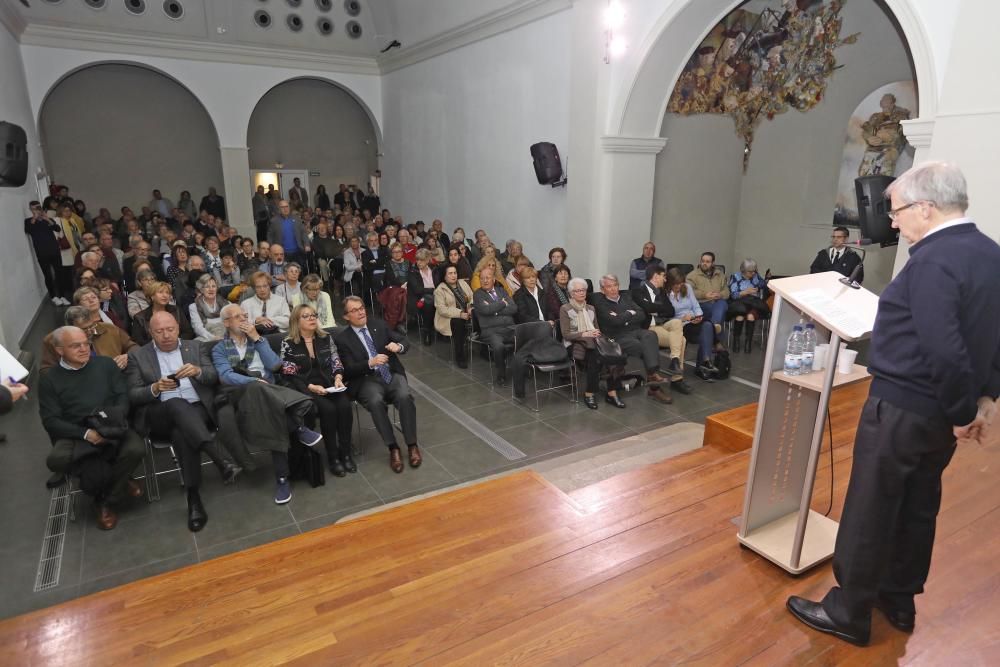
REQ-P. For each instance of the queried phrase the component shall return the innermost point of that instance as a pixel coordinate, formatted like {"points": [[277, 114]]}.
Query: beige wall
{"points": [[313, 125], [115, 132]]}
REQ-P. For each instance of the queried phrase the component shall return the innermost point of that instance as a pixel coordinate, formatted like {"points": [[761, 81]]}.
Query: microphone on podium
{"points": [[852, 280]]}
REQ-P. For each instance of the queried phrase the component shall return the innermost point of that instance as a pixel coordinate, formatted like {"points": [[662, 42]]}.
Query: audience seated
{"points": [[267, 413], [112, 303], [312, 295], [637, 270], [101, 453], [747, 293], [274, 267], [619, 318], [290, 288], [514, 274], [495, 311], [453, 313], [247, 260], [137, 298], [461, 264], [420, 294], [695, 327], [205, 314], [228, 276], [838, 257], [171, 386], [508, 258], [268, 313], [578, 323], [106, 340], [159, 296], [353, 266], [494, 265], [653, 297], [558, 294], [557, 256], [375, 377], [530, 299], [178, 269], [375, 263], [310, 365], [709, 284], [399, 267]]}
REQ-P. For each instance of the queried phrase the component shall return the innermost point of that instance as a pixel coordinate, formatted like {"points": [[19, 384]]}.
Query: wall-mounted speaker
{"points": [[136, 7], [173, 9], [548, 165], [324, 5], [324, 25], [262, 19], [96, 4], [873, 209], [13, 155], [352, 7], [294, 22], [353, 29]]}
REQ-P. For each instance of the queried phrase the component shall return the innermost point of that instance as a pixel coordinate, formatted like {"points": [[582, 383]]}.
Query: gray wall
{"points": [[783, 208], [314, 125], [115, 132]]}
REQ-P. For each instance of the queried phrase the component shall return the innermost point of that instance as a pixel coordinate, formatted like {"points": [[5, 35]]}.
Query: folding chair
{"points": [[475, 338], [530, 331]]}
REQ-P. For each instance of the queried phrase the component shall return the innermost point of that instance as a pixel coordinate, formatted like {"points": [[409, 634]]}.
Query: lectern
{"points": [[777, 522]]}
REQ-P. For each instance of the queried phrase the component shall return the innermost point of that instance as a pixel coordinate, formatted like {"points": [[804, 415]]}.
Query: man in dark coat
{"points": [[838, 257]]}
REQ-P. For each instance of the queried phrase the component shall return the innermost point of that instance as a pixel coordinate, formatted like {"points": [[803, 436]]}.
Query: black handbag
{"points": [[610, 351], [305, 463], [110, 423]]}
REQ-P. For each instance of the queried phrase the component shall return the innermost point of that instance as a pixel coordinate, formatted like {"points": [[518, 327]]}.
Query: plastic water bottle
{"points": [[793, 352], [808, 348]]}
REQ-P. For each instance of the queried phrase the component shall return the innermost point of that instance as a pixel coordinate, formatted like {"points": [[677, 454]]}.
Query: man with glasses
{"points": [[141, 252], [838, 257], [935, 358]]}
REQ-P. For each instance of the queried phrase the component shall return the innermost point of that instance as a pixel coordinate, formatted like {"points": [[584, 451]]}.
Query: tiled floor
{"points": [[153, 538]]}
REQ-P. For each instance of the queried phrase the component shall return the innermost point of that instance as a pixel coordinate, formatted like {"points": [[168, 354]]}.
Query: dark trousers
{"points": [[715, 311], [702, 333], [375, 396], [336, 421], [460, 338], [887, 528], [641, 343], [51, 269], [498, 339], [262, 226], [128, 455], [188, 427]]}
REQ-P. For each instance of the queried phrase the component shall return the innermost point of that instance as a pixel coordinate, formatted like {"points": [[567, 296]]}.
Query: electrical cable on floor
{"points": [[829, 423]]}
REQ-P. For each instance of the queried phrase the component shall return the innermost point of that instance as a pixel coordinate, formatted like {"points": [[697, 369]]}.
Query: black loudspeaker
{"points": [[13, 155], [873, 209], [548, 166]]}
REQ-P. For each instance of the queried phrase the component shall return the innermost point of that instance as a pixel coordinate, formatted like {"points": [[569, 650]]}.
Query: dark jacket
{"points": [[370, 263], [140, 324], [144, 369], [355, 357], [66, 398], [43, 236], [527, 309], [844, 266], [637, 270], [415, 289], [154, 262], [552, 303], [490, 313], [936, 341], [296, 364], [660, 307], [216, 207], [276, 233], [615, 319]]}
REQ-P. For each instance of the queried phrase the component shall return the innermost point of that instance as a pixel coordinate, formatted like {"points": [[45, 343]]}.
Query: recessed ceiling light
{"points": [[324, 25], [294, 22], [262, 19], [352, 7], [135, 6], [324, 5], [353, 29], [173, 9], [96, 4]]}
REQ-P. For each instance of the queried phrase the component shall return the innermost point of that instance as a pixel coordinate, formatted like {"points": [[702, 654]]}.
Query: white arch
{"points": [[639, 108]]}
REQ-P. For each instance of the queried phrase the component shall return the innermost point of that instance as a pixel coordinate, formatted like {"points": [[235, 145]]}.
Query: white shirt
{"points": [[275, 309], [946, 225], [255, 364], [534, 294], [169, 363]]}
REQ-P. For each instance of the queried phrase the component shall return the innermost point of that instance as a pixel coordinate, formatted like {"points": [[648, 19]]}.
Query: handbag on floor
{"points": [[305, 463]]}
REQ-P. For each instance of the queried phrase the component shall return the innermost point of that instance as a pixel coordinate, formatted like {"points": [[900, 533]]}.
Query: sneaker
{"points": [[56, 301], [65, 301], [308, 437], [284, 491]]}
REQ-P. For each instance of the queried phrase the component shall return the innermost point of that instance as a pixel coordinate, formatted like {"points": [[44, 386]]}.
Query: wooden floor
{"points": [[642, 568]]}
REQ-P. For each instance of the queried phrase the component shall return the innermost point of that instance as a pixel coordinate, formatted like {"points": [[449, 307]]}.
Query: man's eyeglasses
{"points": [[356, 309], [894, 213]]}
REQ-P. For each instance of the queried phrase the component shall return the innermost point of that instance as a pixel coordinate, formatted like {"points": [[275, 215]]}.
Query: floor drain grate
{"points": [[50, 561]]}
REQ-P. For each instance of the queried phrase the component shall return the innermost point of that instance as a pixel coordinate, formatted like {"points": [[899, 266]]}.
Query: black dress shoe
{"points": [[590, 402], [337, 468], [230, 471], [812, 614], [900, 619], [675, 367], [703, 373], [682, 387], [614, 400], [349, 464], [197, 516]]}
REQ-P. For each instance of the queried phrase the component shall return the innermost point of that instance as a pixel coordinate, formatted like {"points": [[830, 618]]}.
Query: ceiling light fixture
{"points": [[173, 9], [135, 7], [324, 25], [352, 7], [262, 19], [353, 29]]}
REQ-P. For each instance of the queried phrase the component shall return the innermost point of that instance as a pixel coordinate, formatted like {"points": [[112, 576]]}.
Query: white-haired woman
{"points": [[578, 323], [747, 301], [205, 312]]}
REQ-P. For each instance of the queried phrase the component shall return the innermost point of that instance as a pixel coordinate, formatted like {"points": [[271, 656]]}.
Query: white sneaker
{"points": [[65, 301], [56, 301]]}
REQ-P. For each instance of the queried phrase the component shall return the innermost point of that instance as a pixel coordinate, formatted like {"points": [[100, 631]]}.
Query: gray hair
{"points": [[423, 254], [509, 243], [204, 280], [76, 314], [941, 183], [57, 335], [293, 265], [610, 277], [748, 264], [143, 274], [574, 283], [90, 255], [228, 308]]}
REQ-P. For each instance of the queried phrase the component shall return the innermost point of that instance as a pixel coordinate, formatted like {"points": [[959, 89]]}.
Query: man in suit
{"points": [[341, 198], [651, 296], [261, 213], [172, 387], [213, 204], [838, 257], [298, 193], [619, 317], [141, 252], [375, 377], [935, 358], [495, 312], [374, 263], [286, 230]]}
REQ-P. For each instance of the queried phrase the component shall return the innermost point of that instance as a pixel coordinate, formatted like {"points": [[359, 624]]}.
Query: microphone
{"points": [[852, 280]]}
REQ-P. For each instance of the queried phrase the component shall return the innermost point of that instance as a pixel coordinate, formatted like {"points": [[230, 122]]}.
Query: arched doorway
{"points": [[318, 127], [115, 131]]}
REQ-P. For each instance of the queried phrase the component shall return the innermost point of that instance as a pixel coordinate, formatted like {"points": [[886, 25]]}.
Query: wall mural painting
{"points": [[753, 66], [875, 143]]}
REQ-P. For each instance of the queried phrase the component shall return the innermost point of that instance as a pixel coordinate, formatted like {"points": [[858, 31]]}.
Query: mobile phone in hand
{"points": [[172, 376]]}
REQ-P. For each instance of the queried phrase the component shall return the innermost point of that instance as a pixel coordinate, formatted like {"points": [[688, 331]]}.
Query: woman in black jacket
{"points": [[310, 364], [420, 294]]}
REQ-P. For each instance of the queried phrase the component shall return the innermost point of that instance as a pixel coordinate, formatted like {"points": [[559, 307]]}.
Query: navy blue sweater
{"points": [[936, 342]]}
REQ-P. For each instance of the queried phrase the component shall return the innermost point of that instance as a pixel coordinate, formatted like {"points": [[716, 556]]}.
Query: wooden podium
{"points": [[777, 522]]}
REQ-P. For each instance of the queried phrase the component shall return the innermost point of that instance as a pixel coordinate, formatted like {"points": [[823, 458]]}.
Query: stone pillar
{"points": [[238, 192], [919, 132]]}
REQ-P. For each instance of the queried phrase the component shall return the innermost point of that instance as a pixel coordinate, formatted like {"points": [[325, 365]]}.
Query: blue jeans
{"points": [[715, 311]]}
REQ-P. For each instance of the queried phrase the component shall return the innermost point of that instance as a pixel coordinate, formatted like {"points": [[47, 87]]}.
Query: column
{"points": [[238, 192], [919, 132]]}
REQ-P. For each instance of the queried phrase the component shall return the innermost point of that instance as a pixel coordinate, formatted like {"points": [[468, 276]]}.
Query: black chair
{"points": [[529, 331], [683, 268], [475, 338]]}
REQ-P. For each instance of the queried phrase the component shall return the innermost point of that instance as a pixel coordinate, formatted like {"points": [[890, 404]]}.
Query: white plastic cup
{"points": [[819, 356], [845, 362]]}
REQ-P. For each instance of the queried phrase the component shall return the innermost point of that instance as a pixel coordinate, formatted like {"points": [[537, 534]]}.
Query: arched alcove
{"points": [[309, 123], [114, 131]]}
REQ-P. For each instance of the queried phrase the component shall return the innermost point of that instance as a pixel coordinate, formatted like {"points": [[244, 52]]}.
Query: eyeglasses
{"points": [[894, 213], [356, 309], [308, 316]]}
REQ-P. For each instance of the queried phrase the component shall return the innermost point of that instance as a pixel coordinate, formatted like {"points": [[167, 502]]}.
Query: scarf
{"points": [[205, 311], [233, 355], [460, 298], [582, 321], [562, 294]]}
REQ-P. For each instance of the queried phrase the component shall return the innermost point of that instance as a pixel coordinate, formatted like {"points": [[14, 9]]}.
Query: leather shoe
{"points": [[655, 378], [230, 471], [898, 618], [812, 614], [349, 464], [197, 516], [134, 490], [614, 400], [337, 468], [704, 373], [395, 460], [681, 386], [660, 396], [415, 458], [107, 519], [590, 402], [675, 367]]}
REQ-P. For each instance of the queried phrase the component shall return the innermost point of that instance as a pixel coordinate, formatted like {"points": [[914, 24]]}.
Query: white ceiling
{"points": [[231, 22]]}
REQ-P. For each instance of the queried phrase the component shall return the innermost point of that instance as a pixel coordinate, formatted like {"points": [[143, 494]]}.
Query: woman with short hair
{"points": [[453, 312], [578, 322], [291, 288], [160, 296], [312, 295], [420, 294], [205, 312], [137, 300], [747, 302]]}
